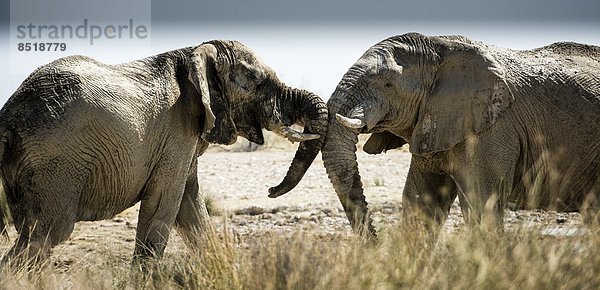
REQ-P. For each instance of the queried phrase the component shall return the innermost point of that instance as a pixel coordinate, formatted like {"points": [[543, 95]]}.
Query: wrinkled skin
{"points": [[486, 124], [83, 141]]}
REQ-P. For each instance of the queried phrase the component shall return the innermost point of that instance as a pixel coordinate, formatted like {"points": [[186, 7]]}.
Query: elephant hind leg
{"points": [[43, 218], [30, 248], [37, 236]]}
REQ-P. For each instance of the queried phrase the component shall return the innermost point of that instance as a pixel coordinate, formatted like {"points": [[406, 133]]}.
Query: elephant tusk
{"points": [[293, 135], [352, 123]]}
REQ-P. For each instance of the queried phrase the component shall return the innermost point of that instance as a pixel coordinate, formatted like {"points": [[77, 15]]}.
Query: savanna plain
{"points": [[303, 240]]}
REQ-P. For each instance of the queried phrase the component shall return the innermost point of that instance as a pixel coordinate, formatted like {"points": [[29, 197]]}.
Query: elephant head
{"points": [[241, 95], [408, 89]]}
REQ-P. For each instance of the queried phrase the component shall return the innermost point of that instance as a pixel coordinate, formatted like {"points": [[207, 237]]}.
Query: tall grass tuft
{"points": [[212, 205]]}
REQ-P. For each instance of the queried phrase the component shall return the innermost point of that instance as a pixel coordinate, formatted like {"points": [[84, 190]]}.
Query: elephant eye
{"points": [[260, 86], [250, 76], [389, 85]]}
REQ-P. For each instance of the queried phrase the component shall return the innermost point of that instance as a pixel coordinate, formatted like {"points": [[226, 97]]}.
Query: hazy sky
{"points": [[365, 11], [311, 43], [368, 11], [178, 11]]}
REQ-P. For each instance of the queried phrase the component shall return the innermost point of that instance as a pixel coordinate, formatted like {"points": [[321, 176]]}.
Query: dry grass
{"points": [[468, 260]]}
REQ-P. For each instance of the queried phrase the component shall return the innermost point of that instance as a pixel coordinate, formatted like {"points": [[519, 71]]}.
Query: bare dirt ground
{"points": [[238, 182]]}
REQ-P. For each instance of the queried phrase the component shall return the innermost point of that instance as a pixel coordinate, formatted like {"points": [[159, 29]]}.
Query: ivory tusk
{"points": [[351, 123], [293, 135]]}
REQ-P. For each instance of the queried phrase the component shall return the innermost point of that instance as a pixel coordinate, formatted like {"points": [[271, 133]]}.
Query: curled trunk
{"points": [[301, 106], [339, 158]]}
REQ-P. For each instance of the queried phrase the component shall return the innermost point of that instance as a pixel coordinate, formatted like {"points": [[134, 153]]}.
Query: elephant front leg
{"points": [[192, 219], [482, 206], [482, 195], [158, 210], [426, 199]]}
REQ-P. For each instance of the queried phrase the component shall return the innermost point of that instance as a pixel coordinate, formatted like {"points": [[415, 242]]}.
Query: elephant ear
{"points": [[469, 95], [381, 142], [218, 123]]}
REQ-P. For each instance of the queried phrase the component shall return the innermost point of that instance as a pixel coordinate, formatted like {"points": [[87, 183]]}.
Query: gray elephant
{"points": [[83, 141], [486, 124]]}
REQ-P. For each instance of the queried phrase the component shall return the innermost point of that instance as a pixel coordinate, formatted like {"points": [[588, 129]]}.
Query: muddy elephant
{"points": [[487, 124], [83, 141]]}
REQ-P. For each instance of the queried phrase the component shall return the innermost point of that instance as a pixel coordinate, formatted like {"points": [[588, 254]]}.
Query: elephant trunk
{"points": [[339, 158], [295, 106]]}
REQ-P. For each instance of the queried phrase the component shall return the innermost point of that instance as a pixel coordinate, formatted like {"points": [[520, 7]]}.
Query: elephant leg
{"points": [[31, 247], [39, 232], [482, 193], [427, 198], [192, 219], [482, 203], [158, 210], [590, 209], [484, 169]]}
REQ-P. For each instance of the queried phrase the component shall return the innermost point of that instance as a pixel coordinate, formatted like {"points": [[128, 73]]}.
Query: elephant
{"points": [[83, 141], [485, 124]]}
